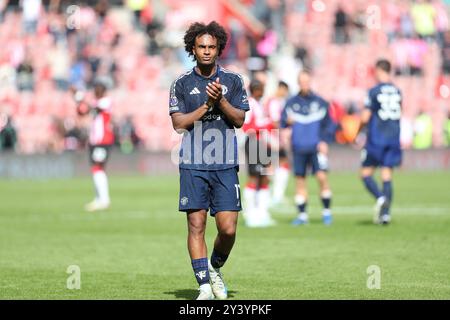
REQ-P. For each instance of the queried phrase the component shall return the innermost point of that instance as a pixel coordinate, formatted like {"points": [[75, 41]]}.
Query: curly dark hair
{"points": [[198, 29]]}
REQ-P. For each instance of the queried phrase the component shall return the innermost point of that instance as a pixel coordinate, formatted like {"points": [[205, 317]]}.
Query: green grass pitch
{"points": [[137, 249]]}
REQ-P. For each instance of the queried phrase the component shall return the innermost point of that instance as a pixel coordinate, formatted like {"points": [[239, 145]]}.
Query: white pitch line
{"points": [[368, 209]]}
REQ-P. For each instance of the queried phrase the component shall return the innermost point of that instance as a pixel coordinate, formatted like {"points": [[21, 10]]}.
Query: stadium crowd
{"points": [[136, 47]]}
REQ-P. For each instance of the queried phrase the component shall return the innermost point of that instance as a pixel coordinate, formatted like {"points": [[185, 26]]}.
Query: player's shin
{"points": [[263, 201], [301, 203], [280, 182], [372, 186], [387, 191], [101, 185]]}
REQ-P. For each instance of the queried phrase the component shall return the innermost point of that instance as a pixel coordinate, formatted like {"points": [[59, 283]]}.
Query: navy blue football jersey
{"points": [[211, 144], [385, 102], [312, 122]]}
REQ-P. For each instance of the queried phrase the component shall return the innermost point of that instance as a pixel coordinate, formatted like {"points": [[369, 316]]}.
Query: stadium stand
{"points": [[70, 46]]}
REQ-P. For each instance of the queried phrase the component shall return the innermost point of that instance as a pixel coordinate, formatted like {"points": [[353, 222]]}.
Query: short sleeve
{"points": [[368, 100], [176, 99], [239, 98], [283, 117]]}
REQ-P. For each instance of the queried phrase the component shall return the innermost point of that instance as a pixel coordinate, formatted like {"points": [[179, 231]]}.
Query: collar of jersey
{"points": [[308, 96], [212, 77]]}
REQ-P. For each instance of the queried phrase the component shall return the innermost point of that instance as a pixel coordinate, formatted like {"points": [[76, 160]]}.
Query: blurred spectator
{"points": [[79, 74], [406, 133], [409, 56], [31, 11], [101, 8], [3, 5], [349, 126], [128, 138], [302, 54], [423, 14], [445, 53], [358, 30], [7, 76], [75, 136], [423, 131], [447, 130], [59, 61], [57, 132], [336, 111], [103, 43], [137, 6], [25, 76], [406, 24], [341, 25], [8, 134], [418, 49], [153, 30], [442, 19]]}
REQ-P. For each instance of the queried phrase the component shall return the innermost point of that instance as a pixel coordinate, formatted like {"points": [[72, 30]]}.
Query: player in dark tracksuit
{"points": [[312, 129]]}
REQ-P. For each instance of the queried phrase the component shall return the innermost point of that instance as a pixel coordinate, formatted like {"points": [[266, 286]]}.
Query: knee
{"points": [[228, 231], [197, 228]]}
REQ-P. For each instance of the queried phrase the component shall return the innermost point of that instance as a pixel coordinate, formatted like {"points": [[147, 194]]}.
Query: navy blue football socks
{"points": [[387, 190], [302, 207], [201, 272], [218, 259], [371, 185]]}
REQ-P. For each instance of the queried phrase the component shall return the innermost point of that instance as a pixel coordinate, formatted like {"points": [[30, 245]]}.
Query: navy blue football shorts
{"points": [[216, 190], [312, 160], [381, 156]]}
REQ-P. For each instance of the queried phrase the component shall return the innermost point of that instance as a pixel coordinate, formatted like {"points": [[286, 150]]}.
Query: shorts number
{"points": [[238, 188]]}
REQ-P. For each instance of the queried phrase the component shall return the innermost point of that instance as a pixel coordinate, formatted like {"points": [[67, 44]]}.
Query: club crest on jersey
{"points": [[224, 89], [184, 201], [173, 101], [314, 106]]}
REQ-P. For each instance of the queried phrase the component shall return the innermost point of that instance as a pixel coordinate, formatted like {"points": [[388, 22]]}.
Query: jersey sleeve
{"points": [[327, 126], [239, 98], [176, 99], [368, 101], [284, 116]]}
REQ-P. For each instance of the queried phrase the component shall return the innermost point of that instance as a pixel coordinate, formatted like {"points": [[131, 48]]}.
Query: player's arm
{"points": [[184, 121], [233, 114], [327, 131], [82, 106], [181, 119], [365, 116], [367, 111]]}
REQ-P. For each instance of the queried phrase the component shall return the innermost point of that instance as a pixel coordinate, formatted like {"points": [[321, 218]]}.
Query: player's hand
{"points": [[214, 91], [289, 120], [322, 148]]}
